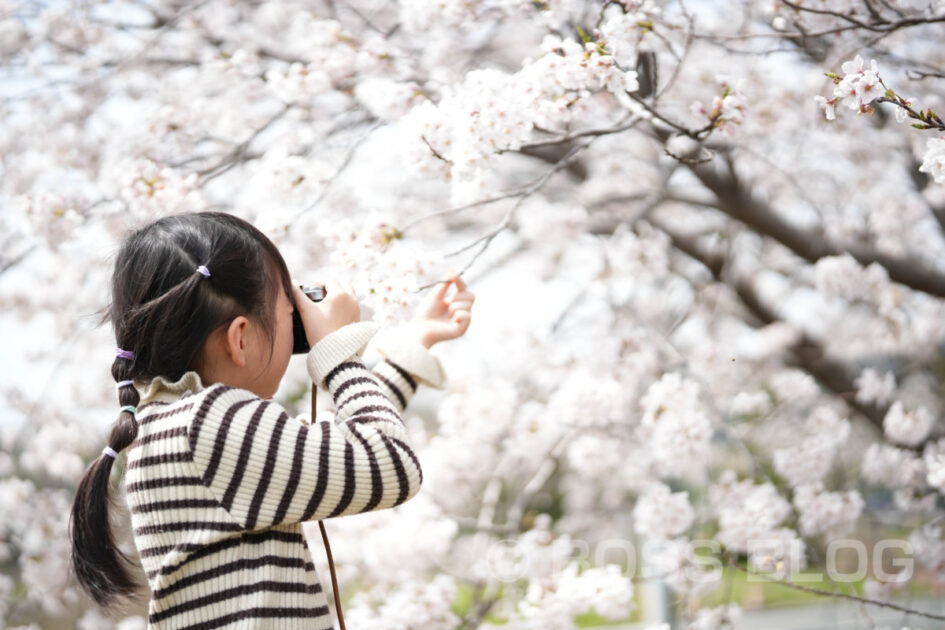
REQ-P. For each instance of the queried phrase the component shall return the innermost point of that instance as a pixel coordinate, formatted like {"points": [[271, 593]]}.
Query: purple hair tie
{"points": [[124, 354], [202, 270]]}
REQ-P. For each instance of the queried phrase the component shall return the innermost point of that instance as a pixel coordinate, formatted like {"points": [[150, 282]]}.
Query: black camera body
{"points": [[299, 339]]}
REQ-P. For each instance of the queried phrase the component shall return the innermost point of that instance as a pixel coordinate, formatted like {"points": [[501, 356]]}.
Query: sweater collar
{"points": [[162, 390]]}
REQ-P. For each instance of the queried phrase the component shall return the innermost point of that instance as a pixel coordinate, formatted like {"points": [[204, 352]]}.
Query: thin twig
{"points": [[239, 151], [507, 219], [855, 598], [531, 186], [344, 164]]}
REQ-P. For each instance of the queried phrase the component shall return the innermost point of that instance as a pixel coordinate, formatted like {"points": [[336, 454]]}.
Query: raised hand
{"points": [[439, 317]]}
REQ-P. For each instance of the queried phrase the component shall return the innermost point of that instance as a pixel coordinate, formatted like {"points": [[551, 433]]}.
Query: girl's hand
{"points": [[440, 318], [339, 308]]}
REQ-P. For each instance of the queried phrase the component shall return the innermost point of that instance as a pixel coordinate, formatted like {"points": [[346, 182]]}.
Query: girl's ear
{"points": [[237, 339]]}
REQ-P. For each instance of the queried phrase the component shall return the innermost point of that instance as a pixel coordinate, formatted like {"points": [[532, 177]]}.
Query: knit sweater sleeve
{"points": [[405, 364], [411, 360], [266, 468]]}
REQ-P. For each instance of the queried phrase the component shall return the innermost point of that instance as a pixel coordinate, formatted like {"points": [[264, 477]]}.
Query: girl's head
{"points": [[234, 324], [164, 311]]}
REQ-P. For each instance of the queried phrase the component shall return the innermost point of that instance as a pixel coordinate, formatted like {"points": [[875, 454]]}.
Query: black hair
{"points": [[163, 311]]}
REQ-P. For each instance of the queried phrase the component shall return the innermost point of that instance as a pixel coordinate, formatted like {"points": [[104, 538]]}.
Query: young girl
{"points": [[218, 478]]}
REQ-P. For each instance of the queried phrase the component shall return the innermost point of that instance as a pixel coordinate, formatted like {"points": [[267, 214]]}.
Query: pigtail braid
{"points": [[100, 566]]}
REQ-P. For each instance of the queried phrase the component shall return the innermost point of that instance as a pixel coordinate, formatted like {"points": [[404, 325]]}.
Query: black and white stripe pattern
{"points": [[219, 482]]}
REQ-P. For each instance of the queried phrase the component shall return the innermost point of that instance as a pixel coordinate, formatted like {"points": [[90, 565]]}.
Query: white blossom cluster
{"points": [[151, 190], [617, 373], [726, 110], [660, 513], [494, 111], [679, 564], [554, 601], [793, 385], [928, 546], [586, 400], [889, 465], [857, 87], [844, 277], [907, 426], [750, 520], [389, 546], [812, 457], [915, 476], [464, 455], [821, 512], [411, 604], [933, 160], [934, 458], [873, 387], [675, 427], [623, 31], [386, 276], [50, 216]]}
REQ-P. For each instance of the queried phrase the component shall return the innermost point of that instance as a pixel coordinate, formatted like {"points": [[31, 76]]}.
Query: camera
{"points": [[299, 340]]}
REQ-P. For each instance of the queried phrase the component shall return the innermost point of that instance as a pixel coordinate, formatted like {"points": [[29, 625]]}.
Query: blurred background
{"points": [[702, 384]]}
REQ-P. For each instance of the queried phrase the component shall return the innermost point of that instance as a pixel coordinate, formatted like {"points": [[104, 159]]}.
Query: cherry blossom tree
{"points": [[725, 221]]}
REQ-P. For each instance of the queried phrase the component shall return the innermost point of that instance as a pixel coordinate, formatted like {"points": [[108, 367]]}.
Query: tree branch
{"points": [[735, 199], [807, 353], [855, 598]]}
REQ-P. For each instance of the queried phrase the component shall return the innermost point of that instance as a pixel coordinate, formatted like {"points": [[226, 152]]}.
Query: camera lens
{"points": [[316, 293]]}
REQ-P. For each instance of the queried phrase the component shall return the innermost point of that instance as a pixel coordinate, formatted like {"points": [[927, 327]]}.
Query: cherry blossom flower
{"points": [[933, 161], [662, 514], [907, 427]]}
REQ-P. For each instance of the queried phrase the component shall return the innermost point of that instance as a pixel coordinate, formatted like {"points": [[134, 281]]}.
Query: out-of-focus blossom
{"points": [[907, 426], [873, 387], [933, 160], [660, 513]]}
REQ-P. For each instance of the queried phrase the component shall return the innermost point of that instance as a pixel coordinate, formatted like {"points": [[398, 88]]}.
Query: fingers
{"points": [[332, 283], [462, 299], [336, 285], [458, 281], [451, 278], [455, 279], [459, 306], [444, 285], [441, 288], [461, 321]]}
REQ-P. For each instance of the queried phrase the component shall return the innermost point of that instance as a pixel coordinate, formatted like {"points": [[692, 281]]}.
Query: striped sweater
{"points": [[218, 482]]}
